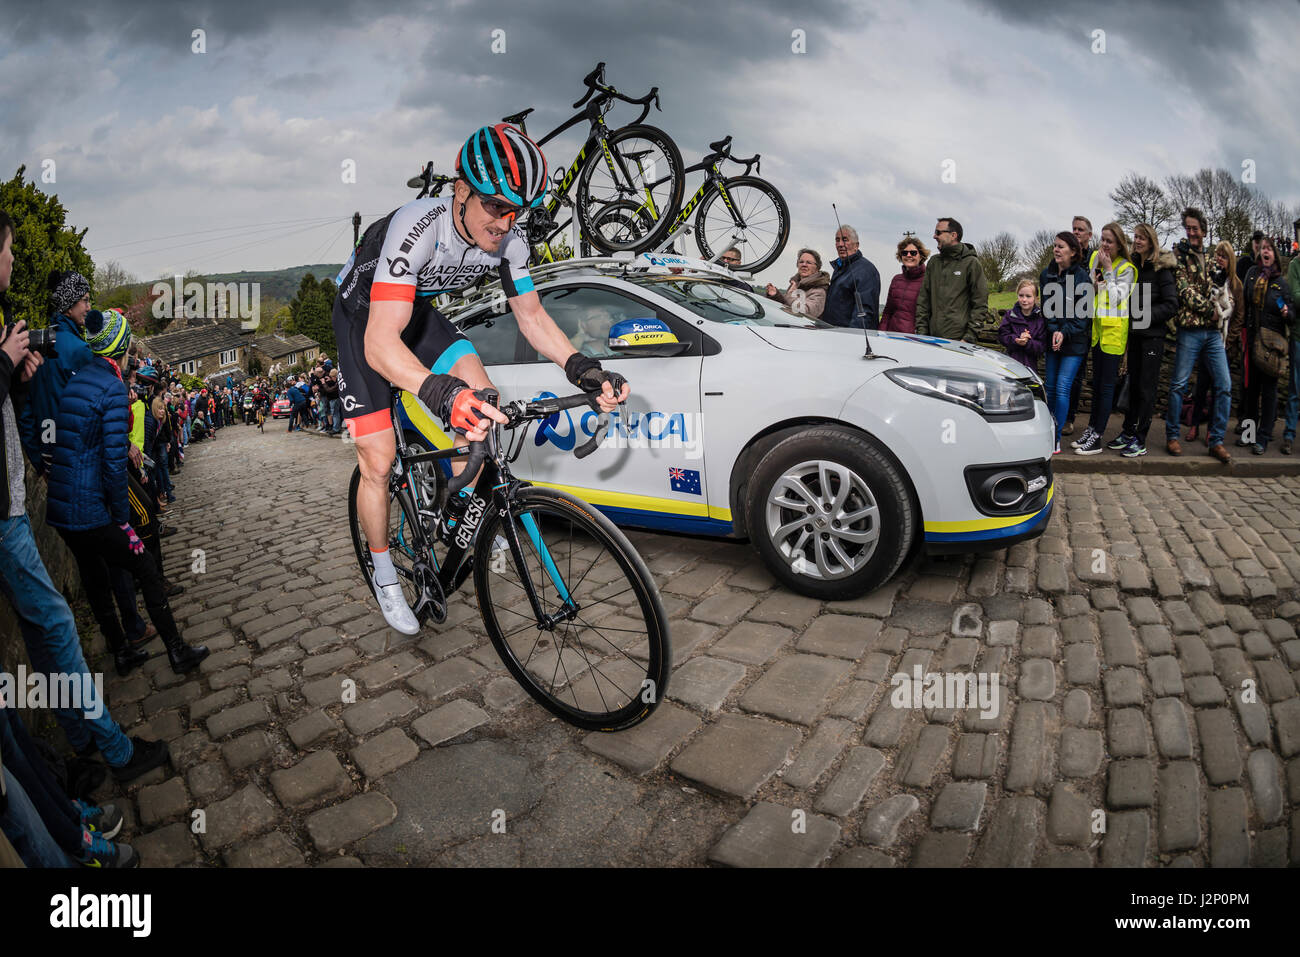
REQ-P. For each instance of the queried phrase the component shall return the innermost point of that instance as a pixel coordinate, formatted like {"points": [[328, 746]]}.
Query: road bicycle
{"points": [[635, 164], [637, 167], [742, 211], [567, 602]]}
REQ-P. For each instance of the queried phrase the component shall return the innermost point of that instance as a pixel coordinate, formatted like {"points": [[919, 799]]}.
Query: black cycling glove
{"points": [[586, 373]]}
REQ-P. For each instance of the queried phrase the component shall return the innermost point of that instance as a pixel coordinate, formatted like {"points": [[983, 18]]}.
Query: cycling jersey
{"points": [[416, 251], [411, 255]]}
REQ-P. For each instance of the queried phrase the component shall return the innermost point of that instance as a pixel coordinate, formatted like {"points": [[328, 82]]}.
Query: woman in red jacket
{"points": [[900, 305]]}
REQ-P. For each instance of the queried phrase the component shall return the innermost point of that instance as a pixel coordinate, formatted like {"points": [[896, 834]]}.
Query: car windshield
{"points": [[719, 302]]}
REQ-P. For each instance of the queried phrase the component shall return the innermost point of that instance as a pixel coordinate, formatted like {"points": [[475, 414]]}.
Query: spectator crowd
{"points": [[1112, 310]]}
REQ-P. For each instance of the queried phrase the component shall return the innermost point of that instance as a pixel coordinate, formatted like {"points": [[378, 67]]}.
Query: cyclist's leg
{"points": [[375, 453]]}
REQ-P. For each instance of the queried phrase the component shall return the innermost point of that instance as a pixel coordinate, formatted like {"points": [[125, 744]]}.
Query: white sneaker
{"points": [[396, 611]]}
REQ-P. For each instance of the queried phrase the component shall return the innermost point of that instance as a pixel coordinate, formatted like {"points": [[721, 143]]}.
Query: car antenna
{"points": [[861, 313]]}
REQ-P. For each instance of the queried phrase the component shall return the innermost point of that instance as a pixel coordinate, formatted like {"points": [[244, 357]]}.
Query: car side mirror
{"points": [[624, 349]]}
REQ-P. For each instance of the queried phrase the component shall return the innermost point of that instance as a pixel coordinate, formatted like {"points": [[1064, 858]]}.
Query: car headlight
{"points": [[991, 396]]}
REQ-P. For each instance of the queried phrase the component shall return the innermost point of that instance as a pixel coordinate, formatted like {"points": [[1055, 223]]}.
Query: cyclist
{"points": [[388, 331]]}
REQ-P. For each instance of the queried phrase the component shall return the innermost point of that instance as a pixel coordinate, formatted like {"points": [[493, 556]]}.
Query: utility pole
{"points": [[356, 228]]}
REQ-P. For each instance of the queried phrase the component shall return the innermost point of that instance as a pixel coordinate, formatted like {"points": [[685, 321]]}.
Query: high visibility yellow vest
{"points": [[1110, 303], [137, 424]]}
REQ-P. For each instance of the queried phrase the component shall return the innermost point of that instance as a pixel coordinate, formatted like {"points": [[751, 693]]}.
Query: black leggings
{"points": [[96, 550]]}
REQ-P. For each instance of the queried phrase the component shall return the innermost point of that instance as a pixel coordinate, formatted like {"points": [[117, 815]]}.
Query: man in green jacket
{"points": [[954, 298], [1293, 399]]}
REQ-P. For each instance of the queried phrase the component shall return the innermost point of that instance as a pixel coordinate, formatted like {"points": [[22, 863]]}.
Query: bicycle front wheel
{"points": [[761, 209], [603, 665], [643, 168]]}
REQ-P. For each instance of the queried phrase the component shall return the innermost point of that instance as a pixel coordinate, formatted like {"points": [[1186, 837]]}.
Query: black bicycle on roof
{"points": [[743, 211], [567, 602], [632, 173]]}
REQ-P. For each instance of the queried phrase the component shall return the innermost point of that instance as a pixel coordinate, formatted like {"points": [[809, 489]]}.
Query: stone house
{"points": [[202, 348]]}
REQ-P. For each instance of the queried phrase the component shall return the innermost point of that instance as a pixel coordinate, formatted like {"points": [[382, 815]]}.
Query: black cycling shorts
{"points": [[366, 395]]}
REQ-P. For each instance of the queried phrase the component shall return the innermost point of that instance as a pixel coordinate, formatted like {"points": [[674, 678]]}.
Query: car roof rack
{"points": [[624, 263]]}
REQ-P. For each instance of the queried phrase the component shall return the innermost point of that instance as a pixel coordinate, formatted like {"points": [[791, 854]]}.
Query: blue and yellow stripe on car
{"points": [[647, 511], [987, 529]]}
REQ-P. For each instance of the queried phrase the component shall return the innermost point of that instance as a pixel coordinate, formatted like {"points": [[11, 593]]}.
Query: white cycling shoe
{"points": [[396, 611]]}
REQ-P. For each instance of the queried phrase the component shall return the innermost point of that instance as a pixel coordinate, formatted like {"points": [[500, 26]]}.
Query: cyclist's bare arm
{"points": [[389, 356], [546, 337]]}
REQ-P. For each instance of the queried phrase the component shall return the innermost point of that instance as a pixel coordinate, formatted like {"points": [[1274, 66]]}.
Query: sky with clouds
{"points": [[232, 158]]}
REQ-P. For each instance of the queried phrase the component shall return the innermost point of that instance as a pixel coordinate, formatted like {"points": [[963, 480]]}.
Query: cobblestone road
{"points": [[1145, 650]]}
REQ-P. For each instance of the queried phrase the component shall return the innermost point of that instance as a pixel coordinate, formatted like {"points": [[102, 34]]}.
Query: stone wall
{"points": [[63, 572]]}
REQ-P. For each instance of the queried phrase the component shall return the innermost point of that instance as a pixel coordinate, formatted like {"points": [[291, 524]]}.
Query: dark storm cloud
{"points": [[1202, 46], [694, 52], [170, 22]]}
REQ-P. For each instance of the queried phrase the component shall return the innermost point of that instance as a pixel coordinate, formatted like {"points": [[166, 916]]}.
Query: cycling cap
{"points": [[147, 374], [501, 161]]}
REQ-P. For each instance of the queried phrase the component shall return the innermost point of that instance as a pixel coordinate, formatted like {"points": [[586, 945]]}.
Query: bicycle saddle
{"points": [[516, 118], [638, 154]]}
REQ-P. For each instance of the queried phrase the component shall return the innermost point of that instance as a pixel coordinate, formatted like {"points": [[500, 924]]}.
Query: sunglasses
{"points": [[498, 209], [911, 252]]}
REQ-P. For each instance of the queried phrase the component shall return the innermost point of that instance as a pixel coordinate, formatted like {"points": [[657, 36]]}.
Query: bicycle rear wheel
{"points": [[766, 218], [645, 160], [606, 666]]}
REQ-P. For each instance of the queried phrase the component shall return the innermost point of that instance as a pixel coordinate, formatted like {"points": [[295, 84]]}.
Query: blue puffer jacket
{"points": [[46, 388], [88, 481]]}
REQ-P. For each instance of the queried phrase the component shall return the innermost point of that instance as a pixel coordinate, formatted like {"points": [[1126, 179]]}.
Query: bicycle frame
{"points": [[494, 489], [597, 135]]}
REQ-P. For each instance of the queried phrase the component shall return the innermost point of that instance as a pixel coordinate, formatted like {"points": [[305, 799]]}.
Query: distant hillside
{"points": [[275, 283]]}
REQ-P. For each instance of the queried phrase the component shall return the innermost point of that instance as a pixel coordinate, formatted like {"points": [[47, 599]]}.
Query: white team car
{"points": [[749, 420]]}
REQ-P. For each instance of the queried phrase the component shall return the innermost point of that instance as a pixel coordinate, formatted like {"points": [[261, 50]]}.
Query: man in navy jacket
{"points": [[853, 299]]}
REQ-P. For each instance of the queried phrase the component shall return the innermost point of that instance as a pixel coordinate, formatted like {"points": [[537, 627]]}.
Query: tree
{"points": [[998, 257], [1037, 252], [311, 311], [43, 244], [1182, 193], [1138, 199], [1235, 227], [254, 366], [109, 277]]}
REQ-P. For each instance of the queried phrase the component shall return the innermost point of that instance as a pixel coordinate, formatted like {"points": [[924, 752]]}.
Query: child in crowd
{"points": [[1024, 330]]}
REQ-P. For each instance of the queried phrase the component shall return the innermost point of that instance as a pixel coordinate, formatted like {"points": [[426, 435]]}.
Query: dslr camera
{"points": [[38, 340]]}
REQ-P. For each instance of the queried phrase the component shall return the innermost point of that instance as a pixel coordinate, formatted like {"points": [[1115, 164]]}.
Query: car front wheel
{"points": [[830, 513]]}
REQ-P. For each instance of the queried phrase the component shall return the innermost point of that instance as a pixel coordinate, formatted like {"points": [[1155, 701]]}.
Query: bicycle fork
{"points": [[568, 608]]}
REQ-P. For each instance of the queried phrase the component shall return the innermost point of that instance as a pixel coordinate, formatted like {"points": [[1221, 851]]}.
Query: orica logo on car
{"points": [[632, 332]]}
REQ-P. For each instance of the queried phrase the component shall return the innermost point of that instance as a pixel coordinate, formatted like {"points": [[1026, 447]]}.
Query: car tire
{"points": [[862, 481]]}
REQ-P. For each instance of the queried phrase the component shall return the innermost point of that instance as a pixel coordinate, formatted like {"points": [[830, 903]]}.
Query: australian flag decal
{"points": [[685, 480]]}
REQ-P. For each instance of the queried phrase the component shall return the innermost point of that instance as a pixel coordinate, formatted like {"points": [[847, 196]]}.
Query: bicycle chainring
{"points": [[432, 603]]}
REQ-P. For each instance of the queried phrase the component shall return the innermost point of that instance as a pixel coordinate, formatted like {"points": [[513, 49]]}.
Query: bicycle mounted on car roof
{"points": [[639, 161]]}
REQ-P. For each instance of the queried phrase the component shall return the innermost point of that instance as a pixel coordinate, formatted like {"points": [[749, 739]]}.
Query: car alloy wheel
{"points": [[823, 519]]}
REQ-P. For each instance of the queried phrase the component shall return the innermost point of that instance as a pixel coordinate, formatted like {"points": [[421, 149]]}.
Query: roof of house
{"points": [[282, 345], [196, 342]]}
